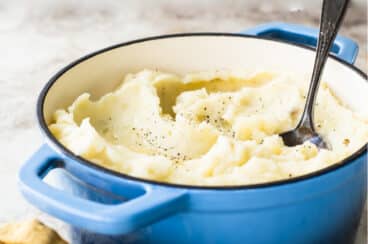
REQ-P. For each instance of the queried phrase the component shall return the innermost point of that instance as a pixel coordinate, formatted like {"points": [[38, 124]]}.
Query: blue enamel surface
{"points": [[152, 203], [322, 209], [343, 47]]}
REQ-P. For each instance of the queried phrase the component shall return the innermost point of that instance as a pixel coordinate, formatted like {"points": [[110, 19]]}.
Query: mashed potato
{"points": [[209, 128]]}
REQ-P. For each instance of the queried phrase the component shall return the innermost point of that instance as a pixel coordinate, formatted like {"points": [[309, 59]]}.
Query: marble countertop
{"points": [[40, 37]]}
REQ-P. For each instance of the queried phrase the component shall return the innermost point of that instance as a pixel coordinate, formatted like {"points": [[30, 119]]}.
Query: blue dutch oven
{"points": [[322, 207]]}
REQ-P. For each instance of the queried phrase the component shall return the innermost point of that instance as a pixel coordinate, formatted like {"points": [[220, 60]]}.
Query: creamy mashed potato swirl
{"points": [[209, 128]]}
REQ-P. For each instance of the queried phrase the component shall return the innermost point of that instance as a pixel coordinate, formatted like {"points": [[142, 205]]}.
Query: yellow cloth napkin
{"points": [[28, 232]]}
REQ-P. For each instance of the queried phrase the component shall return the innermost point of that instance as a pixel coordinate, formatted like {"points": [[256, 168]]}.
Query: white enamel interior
{"points": [[103, 72]]}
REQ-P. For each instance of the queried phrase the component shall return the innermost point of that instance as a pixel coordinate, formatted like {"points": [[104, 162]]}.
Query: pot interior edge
{"points": [[86, 69]]}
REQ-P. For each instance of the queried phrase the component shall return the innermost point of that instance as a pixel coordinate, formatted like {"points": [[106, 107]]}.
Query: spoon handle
{"points": [[332, 14]]}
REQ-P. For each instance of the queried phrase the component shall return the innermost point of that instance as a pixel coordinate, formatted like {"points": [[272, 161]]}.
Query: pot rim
{"points": [[66, 152]]}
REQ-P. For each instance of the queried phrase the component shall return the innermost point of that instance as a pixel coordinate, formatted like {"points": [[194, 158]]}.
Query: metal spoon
{"points": [[331, 18]]}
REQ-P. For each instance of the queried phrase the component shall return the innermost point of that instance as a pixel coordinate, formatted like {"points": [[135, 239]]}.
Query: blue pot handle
{"points": [[156, 202], [344, 48]]}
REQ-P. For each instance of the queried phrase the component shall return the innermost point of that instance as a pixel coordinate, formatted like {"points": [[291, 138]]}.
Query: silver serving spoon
{"points": [[331, 18]]}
